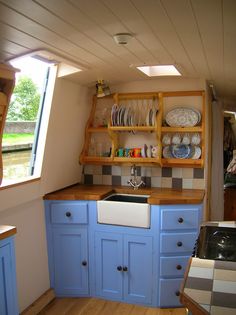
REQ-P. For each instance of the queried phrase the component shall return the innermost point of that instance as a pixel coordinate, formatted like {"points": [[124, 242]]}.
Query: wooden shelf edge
{"points": [[182, 129], [183, 163]]}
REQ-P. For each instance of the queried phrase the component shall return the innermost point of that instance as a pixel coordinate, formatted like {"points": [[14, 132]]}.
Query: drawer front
{"points": [[179, 219], [178, 242], [69, 213], [169, 292], [173, 266]]}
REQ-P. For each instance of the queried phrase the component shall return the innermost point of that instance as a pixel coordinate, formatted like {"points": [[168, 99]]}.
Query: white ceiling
{"points": [[199, 36]]}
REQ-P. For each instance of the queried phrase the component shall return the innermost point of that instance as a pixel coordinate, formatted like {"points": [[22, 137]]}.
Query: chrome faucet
{"points": [[133, 182]]}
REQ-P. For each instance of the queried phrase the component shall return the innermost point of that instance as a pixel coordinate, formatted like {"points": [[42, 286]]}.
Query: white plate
{"points": [[197, 153], [182, 117], [167, 152]]}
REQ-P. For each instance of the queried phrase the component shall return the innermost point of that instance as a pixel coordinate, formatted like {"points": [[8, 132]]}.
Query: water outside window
{"points": [[23, 115]]}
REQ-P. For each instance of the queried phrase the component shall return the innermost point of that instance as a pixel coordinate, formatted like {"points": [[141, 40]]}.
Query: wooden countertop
{"points": [[158, 196], [6, 231]]}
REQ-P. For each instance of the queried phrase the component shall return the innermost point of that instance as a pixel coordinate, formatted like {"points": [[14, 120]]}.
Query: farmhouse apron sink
{"points": [[124, 209]]}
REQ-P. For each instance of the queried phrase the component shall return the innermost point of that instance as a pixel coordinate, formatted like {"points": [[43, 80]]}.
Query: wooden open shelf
{"points": [[116, 133]]}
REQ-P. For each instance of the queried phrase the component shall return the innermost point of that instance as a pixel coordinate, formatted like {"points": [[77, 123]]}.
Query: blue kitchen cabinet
{"points": [[67, 235], [179, 228], [109, 265], [123, 265], [8, 291]]}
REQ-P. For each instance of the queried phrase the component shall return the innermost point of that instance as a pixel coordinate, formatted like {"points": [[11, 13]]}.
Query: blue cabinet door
{"points": [[70, 261], [138, 276], [8, 296], [108, 265]]}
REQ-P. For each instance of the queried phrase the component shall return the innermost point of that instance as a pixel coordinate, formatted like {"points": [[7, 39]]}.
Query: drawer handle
{"points": [[119, 268], [178, 267], [177, 293], [68, 214], [84, 263], [179, 244], [125, 268], [180, 220]]}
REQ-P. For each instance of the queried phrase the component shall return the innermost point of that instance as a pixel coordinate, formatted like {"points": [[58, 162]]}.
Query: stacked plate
{"points": [[183, 117], [182, 151]]}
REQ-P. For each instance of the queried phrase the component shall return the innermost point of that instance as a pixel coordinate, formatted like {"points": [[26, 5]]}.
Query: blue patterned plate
{"points": [[181, 151]]}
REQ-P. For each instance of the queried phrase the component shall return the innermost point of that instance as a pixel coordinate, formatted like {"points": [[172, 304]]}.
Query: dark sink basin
{"points": [[127, 198]]}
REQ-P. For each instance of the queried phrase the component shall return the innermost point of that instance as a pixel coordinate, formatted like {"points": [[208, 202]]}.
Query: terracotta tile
{"points": [[177, 172], [198, 183], [97, 179], [125, 170], [97, 170], [106, 179], [166, 182], [156, 171], [187, 172]]}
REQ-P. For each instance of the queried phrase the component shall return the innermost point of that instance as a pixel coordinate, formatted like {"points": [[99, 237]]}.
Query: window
{"points": [[26, 123]]}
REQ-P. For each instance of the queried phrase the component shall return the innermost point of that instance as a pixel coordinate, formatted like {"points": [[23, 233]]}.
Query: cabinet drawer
{"points": [[177, 242], [179, 219], [169, 292], [173, 266], [68, 213]]}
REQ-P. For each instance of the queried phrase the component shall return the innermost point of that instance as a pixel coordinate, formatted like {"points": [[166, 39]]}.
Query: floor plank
{"points": [[94, 306]]}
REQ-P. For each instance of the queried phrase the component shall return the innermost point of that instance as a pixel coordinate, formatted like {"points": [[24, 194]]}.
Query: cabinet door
{"points": [[70, 261], [138, 277], [108, 261], [8, 297]]}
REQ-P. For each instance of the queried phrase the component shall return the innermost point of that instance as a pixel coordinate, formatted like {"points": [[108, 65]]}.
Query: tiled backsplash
{"points": [[152, 176]]}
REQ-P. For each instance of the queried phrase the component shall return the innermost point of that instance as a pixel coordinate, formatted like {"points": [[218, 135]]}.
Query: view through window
{"points": [[19, 145]]}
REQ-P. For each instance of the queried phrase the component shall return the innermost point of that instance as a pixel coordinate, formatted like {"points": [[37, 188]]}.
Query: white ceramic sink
{"points": [[124, 209]]}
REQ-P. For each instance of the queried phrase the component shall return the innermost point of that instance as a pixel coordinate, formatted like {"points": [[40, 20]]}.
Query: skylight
{"points": [[160, 70]]}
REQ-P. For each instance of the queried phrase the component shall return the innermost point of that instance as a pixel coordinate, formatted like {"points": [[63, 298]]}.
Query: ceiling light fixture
{"points": [[159, 70], [122, 38]]}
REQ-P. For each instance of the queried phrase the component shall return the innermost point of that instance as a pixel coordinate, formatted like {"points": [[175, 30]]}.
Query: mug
{"points": [[137, 152], [120, 152], [154, 151], [128, 152]]}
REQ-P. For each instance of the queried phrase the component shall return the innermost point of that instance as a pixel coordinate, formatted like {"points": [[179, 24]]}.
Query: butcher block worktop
{"points": [[158, 196], [6, 231]]}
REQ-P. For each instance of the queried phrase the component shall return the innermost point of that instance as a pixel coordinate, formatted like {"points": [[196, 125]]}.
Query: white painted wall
{"points": [[22, 206]]}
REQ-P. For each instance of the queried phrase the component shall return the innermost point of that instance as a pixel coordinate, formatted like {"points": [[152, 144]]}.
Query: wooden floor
{"points": [[92, 306]]}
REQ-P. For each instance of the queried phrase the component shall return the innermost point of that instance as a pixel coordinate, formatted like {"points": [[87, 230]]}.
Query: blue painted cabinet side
{"points": [[8, 289]]}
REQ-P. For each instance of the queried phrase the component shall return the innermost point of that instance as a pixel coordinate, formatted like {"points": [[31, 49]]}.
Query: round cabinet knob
{"points": [[180, 220], [177, 293], [125, 268], [84, 263], [179, 244], [119, 268], [178, 267], [68, 214]]}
